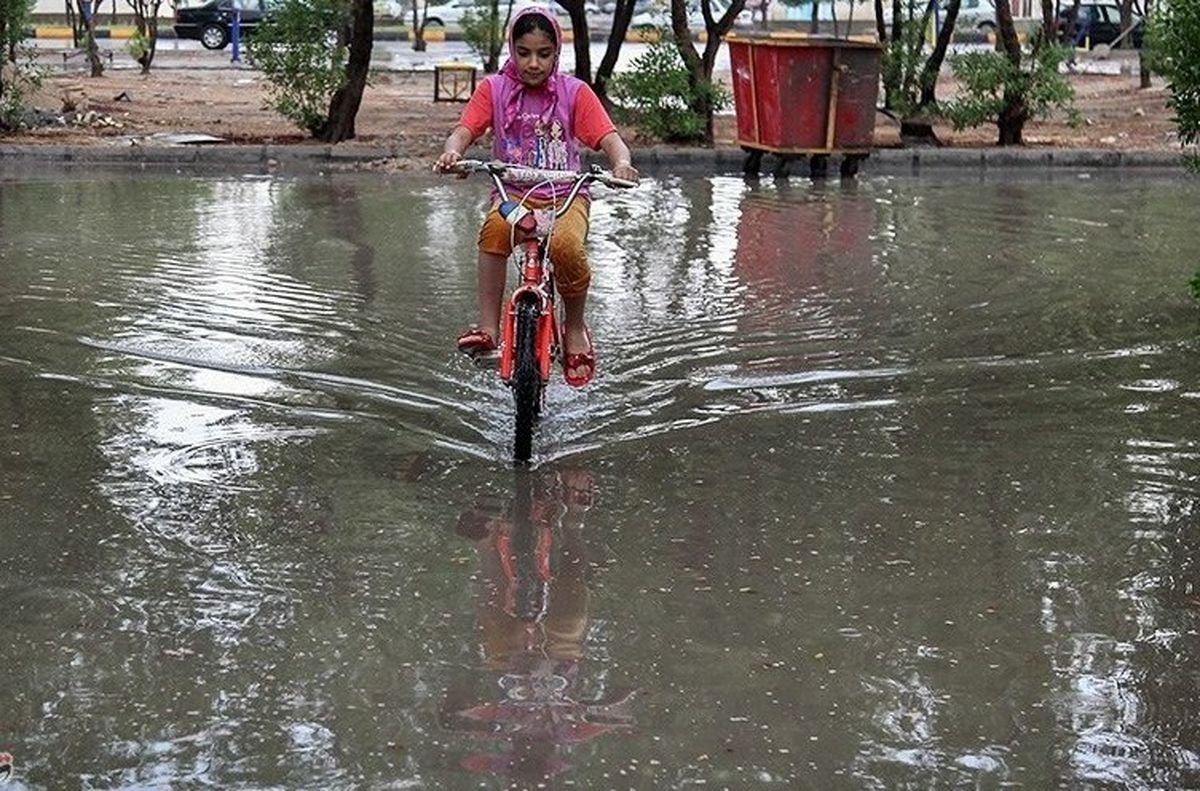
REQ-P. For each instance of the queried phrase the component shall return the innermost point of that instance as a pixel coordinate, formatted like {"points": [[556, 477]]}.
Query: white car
{"points": [[659, 15], [451, 12]]}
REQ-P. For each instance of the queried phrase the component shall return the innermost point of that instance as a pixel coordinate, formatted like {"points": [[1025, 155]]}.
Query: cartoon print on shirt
{"points": [[556, 148]]}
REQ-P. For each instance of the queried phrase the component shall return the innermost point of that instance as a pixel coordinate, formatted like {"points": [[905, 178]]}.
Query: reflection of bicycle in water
{"points": [[533, 611]]}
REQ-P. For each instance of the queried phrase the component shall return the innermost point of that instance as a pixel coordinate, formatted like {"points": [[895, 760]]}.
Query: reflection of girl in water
{"points": [[533, 612]]}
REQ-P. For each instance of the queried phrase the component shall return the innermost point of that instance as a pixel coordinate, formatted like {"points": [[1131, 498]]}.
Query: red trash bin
{"points": [[796, 94]]}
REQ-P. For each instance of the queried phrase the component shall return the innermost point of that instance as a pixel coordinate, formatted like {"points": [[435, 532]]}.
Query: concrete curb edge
{"points": [[721, 159]]}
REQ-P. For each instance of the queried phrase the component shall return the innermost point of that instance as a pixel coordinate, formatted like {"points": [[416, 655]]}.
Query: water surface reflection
{"points": [[534, 623], [886, 486]]}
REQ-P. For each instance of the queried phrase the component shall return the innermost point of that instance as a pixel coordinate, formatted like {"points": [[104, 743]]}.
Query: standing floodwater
{"points": [[891, 484]]}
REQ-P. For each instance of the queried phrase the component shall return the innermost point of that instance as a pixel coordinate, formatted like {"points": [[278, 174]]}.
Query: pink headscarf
{"points": [[553, 81]]}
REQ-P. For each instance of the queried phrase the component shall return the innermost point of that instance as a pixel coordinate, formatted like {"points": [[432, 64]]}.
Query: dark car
{"points": [[211, 23], [1098, 23]]}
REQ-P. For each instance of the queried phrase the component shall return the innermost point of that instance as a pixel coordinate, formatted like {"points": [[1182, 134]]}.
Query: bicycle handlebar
{"points": [[520, 174]]}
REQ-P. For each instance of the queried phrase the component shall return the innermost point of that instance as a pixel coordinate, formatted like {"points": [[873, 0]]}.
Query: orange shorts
{"points": [[571, 271]]}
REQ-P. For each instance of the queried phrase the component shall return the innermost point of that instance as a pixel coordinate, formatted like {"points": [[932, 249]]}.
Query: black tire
{"points": [[214, 36], [526, 380]]}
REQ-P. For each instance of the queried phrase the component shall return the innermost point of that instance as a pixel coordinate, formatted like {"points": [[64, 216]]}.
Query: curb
{"points": [[267, 158]]}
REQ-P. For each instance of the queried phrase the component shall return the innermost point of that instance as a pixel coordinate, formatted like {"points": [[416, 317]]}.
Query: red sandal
{"points": [[585, 359], [475, 342]]}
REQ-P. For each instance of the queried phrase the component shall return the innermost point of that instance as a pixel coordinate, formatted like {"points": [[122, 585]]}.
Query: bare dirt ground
{"points": [[398, 112]]}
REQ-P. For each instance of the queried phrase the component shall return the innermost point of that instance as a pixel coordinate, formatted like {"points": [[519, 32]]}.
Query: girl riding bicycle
{"points": [[536, 116]]}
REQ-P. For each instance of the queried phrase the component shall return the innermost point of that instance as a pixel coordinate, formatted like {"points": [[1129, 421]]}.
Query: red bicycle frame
{"points": [[537, 284]]}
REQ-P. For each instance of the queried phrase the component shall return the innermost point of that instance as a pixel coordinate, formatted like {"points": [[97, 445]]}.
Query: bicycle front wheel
{"points": [[526, 380]]}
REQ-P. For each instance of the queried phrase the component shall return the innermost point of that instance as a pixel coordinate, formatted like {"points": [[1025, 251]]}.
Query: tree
{"points": [[909, 76], [622, 15], [420, 12], [316, 55], [17, 78], [14, 16], [1174, 50], [700, 66], [343, 107], [485, 35], [582, 42], [144, 43], [87, 13], [1009, 87]]}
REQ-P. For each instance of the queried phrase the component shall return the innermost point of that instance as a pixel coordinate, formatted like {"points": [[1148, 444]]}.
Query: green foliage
{"points": [[14, 19], [484, 34], [656, 94], [138, 45], [904, 59], [18, 79], [989, 80], [1196, 285], [1173, 49], [298, 51]]}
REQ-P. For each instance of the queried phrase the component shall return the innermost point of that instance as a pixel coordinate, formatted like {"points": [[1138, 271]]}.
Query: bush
{"points": [[657, 96], [1173, 49], [298, 51], [903, 60], [988, 77], [18, 79]]}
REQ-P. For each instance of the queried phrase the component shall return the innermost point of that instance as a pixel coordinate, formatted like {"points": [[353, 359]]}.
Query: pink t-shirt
{"points": [[589, 117]]}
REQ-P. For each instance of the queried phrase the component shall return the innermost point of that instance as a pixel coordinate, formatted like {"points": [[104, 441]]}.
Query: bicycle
{"points": [[530, 335]]}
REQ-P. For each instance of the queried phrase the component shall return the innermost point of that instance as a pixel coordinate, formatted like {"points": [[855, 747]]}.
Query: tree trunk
{"points": [[1126, 23], [93, 52], [1015, 113], [620, 26], [1012, 122], [582, 42], [492, 64], [343, 107], [1049, 21], [418, 26], [700, 68], [1143, 67], [89, 42], [880, 25], [933, 66], [814, 24]]}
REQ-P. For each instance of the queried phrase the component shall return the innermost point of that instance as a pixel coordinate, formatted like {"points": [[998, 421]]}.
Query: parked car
{"points": [[1099, 23], [211, 23], [659, 15], [640, 6], [975, 15], [451, 12]]}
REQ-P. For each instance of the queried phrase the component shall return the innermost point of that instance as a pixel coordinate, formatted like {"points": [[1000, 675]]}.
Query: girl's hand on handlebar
{"points": [[624, 170], [446, 161]]}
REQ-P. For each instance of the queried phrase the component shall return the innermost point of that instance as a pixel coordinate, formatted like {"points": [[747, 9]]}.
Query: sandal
{"points": [[475, 342], [585, 359]]}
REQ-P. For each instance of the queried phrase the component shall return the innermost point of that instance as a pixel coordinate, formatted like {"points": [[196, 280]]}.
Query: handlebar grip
{"points": [[613, 181], [464, 166]]}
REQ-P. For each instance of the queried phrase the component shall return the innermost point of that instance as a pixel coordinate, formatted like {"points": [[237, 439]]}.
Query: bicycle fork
{"points": [[533, 288]]}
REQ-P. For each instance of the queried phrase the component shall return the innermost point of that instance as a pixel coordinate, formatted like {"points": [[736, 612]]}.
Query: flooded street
{"points": [[891, 484]]}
